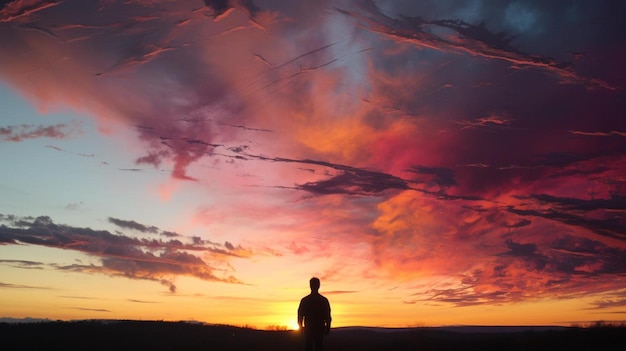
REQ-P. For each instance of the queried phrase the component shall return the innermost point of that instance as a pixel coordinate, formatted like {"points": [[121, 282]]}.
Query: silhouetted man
{"points": [[314, 317]]}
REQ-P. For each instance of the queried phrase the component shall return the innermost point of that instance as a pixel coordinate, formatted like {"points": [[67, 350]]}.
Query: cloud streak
{"points": [[122, 255], [20, 286], [475, 40], [17, 133]]}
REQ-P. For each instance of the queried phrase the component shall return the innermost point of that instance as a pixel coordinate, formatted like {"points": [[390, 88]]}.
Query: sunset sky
{"points": [[432, 162]]}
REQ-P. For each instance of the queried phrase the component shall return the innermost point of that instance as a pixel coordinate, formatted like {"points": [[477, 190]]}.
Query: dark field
{"points": [[146, 335]]}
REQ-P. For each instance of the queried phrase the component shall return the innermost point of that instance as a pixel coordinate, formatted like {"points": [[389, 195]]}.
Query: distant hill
{"points": [[23, 320], [157, 335], [462, 329]]}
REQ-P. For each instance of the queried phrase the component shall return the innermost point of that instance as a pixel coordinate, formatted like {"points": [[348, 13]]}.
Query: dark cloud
{"points": [[602, 304], [587, 256], [169, 234], [467, 296], [599, 134], [442, 177], [141, 301], [475, 40], [356, 182], [521, 250], [122, 255], [578, 213], [21, 10], [69, 152], [519, 224], [79, 297], [615, 202], [220, 7], [133, 225], [349, 180], [23, 264], [91, 309], [528, 254]]}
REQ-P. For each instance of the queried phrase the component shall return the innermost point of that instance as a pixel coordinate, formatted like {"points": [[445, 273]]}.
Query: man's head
{"points": [[315, 284]]}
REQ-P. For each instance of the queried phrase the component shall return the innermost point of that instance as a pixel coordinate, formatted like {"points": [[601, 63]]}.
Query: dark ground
{"points": [[153, 335]]}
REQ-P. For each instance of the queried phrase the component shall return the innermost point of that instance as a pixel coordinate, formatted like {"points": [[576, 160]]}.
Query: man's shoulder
{"points": [[322, 297], [308, 297], [314, 298]]}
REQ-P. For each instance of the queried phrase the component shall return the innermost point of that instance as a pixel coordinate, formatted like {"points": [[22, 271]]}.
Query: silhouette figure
{"points": [[314, 317]]}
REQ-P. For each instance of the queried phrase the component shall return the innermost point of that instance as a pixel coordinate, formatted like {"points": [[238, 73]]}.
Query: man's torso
{"points": [[316, 311]]}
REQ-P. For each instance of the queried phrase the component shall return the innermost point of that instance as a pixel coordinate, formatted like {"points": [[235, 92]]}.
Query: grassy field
{"points": [[155, 335]]}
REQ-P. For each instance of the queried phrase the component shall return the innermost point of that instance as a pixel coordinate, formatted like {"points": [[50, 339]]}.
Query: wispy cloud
{"points": [[23, 264], [141, 301], [475, 40], [21, 10], [339, 292], [79, 297], [574, 211], [599, 134], [17, 133], [126, 224], [602, 304], [20, 286], [92, 309]]}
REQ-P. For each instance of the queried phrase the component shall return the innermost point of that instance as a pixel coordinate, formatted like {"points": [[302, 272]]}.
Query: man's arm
{"points": [[300, 315], [328, 317]]}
